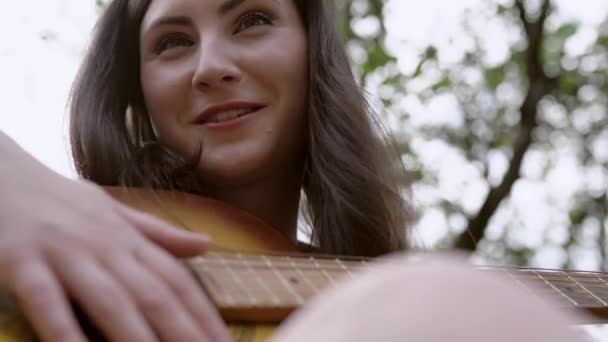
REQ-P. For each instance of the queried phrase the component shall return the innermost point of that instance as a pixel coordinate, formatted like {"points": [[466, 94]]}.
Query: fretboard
{"points": [[267, 288], [580, 289]]}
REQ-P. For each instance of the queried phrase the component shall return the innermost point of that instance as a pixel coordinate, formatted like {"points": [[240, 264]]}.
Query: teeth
{"points": [[229, 115]]}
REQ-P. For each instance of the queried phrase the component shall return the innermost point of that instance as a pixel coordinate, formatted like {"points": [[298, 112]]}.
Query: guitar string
{"points": [[576, 298]]}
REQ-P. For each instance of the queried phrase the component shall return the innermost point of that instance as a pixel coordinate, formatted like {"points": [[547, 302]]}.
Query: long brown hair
{"points": [[353, 182]]}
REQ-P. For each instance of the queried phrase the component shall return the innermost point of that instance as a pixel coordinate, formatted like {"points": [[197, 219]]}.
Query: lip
{"points": [[210, 111]]}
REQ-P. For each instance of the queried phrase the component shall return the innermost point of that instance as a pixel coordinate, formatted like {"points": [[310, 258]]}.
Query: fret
{"points": [[556, 289], [572, 287], [235, 278], [603, 286], [301, 277], [598, 299], [343, 266], [333, 268], [591, 281], [328, 265], [236, 264], [209, 278], [555, 277], [258, 280], [580, 298], [204, 270], [569, 282], [322, 270], [315, 274], [284, 282], [536, 284], [602, 281]]}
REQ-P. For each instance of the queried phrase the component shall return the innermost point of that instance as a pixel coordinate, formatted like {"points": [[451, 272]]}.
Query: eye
{"points": [[253, 18], [172, 41]]}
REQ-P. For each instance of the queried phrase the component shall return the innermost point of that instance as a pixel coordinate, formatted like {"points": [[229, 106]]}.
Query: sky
{"points": [[43, 42]]}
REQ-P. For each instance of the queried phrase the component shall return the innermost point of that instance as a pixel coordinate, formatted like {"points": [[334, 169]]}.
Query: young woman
{"points": [[251, 102]]}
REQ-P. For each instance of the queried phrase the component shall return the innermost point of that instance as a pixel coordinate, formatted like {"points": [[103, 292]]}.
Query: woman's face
{"points": [[231, 75]]}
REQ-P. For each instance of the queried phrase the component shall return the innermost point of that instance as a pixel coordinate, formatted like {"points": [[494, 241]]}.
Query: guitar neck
{"points": [[263, 288], [583, 290]]}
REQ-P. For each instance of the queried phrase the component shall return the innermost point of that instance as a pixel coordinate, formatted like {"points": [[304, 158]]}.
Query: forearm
{"points": [[18, 164]]}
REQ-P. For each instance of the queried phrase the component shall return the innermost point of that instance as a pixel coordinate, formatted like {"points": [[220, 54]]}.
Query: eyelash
{"points": [[242, 25], [172, 38], [255, 15]]}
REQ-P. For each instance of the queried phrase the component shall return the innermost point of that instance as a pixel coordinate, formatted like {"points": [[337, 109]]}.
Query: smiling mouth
{"points": [[229, 115], [227, 112]]}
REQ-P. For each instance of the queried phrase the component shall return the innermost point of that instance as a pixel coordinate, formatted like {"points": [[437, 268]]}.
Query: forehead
{"points": [[160, 8]]}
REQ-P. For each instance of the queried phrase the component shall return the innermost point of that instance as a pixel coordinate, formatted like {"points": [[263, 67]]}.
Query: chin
{"points": [[235, 173]]}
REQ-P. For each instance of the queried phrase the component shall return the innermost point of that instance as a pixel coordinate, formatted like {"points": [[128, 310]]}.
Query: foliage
{"points": [[543, 86]]}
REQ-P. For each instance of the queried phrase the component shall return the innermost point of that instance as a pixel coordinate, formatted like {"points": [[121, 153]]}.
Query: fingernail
{"points": [[204, 236]]}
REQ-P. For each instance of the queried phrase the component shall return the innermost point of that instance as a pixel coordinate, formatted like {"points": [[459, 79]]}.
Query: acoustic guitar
{"points": [[256, 277]]}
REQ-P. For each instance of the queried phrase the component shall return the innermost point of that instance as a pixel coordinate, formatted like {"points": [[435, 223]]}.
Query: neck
{"points": [[274, 202]]}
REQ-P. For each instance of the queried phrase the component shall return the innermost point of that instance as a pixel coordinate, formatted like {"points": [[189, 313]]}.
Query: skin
{"points": [[53, 243], [255, 52]]}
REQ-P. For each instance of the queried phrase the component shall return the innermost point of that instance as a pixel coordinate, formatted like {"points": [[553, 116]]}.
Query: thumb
{"points": [[176, 241]]}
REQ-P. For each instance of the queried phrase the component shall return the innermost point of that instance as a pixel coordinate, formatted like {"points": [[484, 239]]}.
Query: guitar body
{"points": [[228, 227]]}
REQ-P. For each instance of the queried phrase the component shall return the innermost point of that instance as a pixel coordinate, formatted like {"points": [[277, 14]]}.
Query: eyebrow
{"points": [[175, 20], [226, 7], [230, 5]]}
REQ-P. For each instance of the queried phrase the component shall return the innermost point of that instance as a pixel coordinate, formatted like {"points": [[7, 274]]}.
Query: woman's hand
{"points": [[63, 239]]}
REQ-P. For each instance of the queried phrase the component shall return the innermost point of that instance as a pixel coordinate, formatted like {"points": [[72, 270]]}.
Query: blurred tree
{"points": [[543, 98]]}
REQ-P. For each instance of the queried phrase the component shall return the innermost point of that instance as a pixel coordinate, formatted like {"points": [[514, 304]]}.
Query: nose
{"points": [[216, 68]]}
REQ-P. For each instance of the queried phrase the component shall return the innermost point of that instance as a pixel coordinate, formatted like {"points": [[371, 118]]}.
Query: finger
{"points": [[44, 302], [178, 242], [105, 302], [187, 290], [163, 310]]}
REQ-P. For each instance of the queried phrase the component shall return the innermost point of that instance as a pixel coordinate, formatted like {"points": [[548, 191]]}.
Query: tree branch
{"points": [[539, 86]]}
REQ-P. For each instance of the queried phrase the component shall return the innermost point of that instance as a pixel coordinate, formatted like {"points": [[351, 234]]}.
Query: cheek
{"points": [[161, 89], [164, 98], [294, 83], [284, 70]]}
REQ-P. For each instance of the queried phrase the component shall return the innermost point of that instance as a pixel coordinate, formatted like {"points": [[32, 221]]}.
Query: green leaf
{"points": [[495, 76], [501, 9], [445, 82], [603, 41], [377, 57], [566, 30], [394, 81], [569, 83], [503, 139], [577, 216], [430, 53]]}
